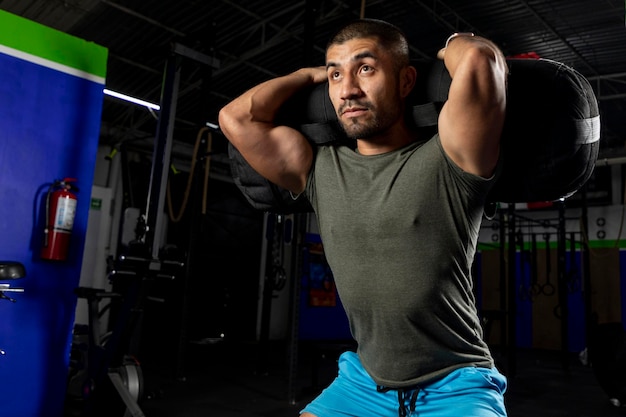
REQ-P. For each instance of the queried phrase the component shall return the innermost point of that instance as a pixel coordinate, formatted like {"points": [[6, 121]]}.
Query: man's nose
{"points": [[350, 88]]}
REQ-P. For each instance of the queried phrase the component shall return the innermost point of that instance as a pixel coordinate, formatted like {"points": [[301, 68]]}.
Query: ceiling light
{"points": [[131, 99]]}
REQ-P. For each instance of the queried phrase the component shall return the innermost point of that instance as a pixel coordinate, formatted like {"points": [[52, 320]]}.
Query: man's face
{"points": [[363, 87]]}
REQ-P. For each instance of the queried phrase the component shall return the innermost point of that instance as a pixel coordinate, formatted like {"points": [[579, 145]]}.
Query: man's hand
{"points": [[441, 53], [318, 74]]}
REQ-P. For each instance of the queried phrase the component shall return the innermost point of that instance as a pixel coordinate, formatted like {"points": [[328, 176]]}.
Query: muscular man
{"points": [[398, 216]]}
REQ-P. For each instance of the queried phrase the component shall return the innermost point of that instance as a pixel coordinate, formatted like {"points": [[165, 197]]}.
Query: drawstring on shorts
{"points": [[403, 395]]}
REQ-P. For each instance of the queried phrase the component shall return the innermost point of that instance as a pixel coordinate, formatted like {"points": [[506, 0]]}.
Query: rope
{"points": [[178, 217]]}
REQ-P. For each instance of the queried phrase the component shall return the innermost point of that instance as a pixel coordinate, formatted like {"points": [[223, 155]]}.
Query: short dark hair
{"points": [[390, 37]]}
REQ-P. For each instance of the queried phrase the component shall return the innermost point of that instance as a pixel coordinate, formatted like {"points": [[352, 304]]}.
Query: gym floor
{"points": [[234, 380]]}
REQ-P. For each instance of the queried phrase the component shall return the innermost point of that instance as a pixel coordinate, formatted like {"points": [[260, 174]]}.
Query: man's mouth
{"points": [[351, 112]]}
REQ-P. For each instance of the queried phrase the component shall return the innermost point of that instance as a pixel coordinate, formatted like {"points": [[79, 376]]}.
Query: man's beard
{"points": [[369, 128], [357, 130]]}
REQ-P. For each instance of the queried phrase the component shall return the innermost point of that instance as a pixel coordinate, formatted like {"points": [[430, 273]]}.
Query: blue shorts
{"points": [[467, 392]]}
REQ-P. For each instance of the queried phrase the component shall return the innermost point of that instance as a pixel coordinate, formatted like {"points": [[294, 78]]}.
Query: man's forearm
{"points": [[262, 102]]}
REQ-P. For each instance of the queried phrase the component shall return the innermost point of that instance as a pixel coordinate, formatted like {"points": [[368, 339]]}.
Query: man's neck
{"points": [[385, 143]]}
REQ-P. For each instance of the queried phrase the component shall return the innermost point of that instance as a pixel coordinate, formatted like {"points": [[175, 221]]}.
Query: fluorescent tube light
{"points": [[132, 99]]}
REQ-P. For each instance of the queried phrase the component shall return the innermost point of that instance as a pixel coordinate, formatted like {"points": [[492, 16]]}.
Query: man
{"points": [[398, 216]]}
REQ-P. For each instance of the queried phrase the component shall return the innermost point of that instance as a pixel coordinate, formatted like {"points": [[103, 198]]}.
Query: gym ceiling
{"points": [[233, 45]]}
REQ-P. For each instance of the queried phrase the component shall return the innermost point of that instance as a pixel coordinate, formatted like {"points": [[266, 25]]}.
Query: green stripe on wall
{"points": [[53, 45]]}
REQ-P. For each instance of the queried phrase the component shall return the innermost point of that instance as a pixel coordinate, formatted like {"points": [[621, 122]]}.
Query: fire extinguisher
{"points": [[60, 213]]}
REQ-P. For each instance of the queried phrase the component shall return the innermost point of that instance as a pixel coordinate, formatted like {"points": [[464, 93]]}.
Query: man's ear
{"points": [[408, 75]]}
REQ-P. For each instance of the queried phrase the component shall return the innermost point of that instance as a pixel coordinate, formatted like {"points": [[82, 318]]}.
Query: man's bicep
{"points": [[470, 136], [283, 156]]}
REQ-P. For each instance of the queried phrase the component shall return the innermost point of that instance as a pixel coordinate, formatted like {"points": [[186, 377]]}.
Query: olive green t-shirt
{"points": [[399, 232]]}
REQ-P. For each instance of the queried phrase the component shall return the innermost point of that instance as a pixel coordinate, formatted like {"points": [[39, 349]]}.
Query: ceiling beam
{"points": [[557, 35]]}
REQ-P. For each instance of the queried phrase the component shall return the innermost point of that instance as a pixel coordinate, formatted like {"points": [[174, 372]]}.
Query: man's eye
{"points": [[334, 75], [366, 68]]}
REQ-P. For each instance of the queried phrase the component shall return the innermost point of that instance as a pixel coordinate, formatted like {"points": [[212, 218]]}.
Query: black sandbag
{"points": [[550, 140], [261, 193], [312, 113], [551, 136]]}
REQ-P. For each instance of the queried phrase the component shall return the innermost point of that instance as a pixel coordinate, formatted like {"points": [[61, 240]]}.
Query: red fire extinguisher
{"points": [[60, 213]]}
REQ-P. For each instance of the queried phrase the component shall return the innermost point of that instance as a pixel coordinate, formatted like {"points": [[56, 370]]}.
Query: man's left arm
{"points": [[471, 120]]}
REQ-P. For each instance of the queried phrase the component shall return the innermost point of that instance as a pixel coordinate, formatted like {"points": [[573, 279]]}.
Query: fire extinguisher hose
{"points": [[46, 237]]}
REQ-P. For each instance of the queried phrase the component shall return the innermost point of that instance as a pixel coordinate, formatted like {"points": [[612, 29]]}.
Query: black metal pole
{"points": [[155, 216], [586, 267], [299, 224], [512, 302], [294, 313], [503, 281], [562, 285], [272, 225]]}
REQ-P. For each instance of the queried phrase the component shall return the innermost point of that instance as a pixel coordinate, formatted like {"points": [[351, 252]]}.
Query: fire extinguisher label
{"points": [[64, 218]]}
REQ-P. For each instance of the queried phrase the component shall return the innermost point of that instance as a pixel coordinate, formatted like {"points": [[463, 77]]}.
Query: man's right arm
{"points": [[279, 153]]}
